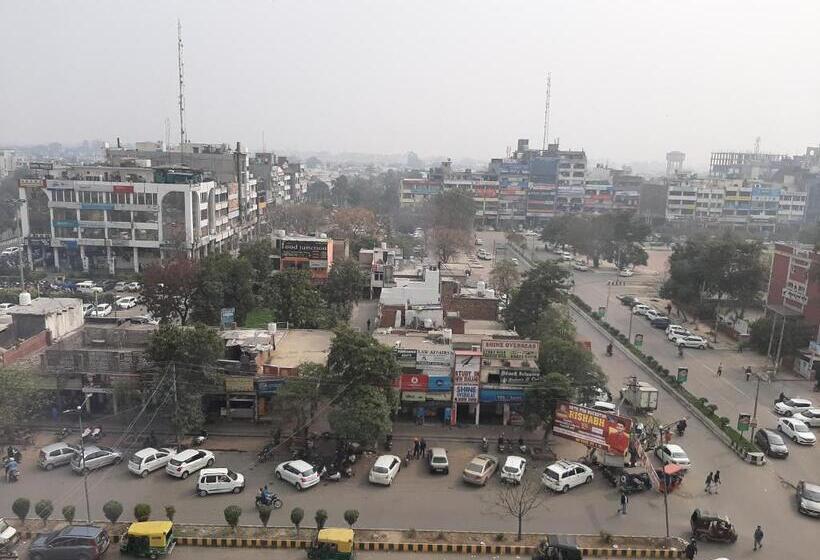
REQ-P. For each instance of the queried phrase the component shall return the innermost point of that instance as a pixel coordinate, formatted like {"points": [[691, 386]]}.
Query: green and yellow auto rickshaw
{"points": [[332, 544], [149, 539]]}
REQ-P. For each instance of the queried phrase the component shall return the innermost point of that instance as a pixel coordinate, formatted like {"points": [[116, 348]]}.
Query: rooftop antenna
{"points": [[167, 133], [182, 133], [757, 145], [547, 113]]}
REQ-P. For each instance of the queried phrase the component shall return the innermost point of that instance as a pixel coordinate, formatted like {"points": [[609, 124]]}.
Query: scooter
{"points": [[501, 446], [388, 442], [92, 433], [14, 453], [331, 473], [266, 453], [522, 447], [680, 427], [62, 433], [485, 445]]}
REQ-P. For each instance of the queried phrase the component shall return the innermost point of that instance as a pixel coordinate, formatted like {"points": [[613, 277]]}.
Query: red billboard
{"points": [[413, 382], [593, 428]]}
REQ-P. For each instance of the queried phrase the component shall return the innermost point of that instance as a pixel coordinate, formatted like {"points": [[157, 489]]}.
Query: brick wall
{"points": [[388, 315], [25, 348], [475, 308]]}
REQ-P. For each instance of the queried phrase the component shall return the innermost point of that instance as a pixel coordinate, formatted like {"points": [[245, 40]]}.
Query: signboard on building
{"points": [[439, 383], [510, 349], [508, 376], [414, 396], [32, 183], [228, 316], [445, 396], [267, 387], [467, 377], [42, 165], [442, 357], [405, 355], [413, 382], [468, 362], [465, 393], [123, 188], [238, 384], [488, 395], [305, 249], [592, 428], [318, 264]]}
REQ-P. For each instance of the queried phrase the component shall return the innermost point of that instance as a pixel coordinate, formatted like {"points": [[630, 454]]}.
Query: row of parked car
{"points": [[676, 334]]}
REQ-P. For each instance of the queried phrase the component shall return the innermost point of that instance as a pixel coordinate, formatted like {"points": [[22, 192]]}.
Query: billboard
{"points": [[405, 355], [510, 349], [511, 376], [413, 382], [305, 248], [592, 428], [465, 393], [434, 357], [470, 377]]}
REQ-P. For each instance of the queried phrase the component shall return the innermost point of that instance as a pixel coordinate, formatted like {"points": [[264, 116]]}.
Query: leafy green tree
{"points": [[293, 299], [24, 396], [448, 242], [21, 508], [223, 282], [566, 356], [363, 415], [232, 515], [541, 287], [540, 399], [451, 208], [68, 513], [112, 510], [796, 335], [44, 509], [357, 359], [555, 322], [296, 516], [299, 398], [351, 517], [264, 513], [320, 518], [505, 276], [170, 512], [169, 289], [345, 283], [561, 229], [142, 512], [259, 255]]}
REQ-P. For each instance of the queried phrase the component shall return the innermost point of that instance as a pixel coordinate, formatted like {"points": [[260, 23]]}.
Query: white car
{"points": [[189, 461], [144, 320], [299, 473], [126, 302], [219, 481], [134, 286], [88, 287], [652, 314], [384, 470], [796, 430], [563, 475], [690, 341], [101, 310], [513, 469], [8, 535], [673, 455], [673, 331], [87, 309], [792, 406], [579, 266], [515, 261], [625, 273], [640, 309], [5, 307], [566, 256], [10, 251], [810, 417], [148, 460], [604, 406], [121, 287]]}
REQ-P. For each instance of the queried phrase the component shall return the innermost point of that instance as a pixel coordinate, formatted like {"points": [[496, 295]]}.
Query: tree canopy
{"points": [[345, 283], [169, 289], [293, 299], [540, 287], [23, 397], [358, 359], [224, 281], [505, 276], [362, 415]]}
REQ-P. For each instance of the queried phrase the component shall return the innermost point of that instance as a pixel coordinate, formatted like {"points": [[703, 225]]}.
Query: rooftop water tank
{"points": [[24, 298]]}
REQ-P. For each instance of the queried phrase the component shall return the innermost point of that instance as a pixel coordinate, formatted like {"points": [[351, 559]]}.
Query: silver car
{"points": [[95, 458], [56, 455]]}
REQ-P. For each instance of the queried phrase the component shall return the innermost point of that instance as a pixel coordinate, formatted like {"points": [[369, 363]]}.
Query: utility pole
{"points": [[79, 411], [547, 113], [176, 401], [19, 204], [181, 65]]}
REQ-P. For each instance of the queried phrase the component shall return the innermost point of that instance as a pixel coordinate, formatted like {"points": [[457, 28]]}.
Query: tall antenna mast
{"points": [[167, 133], [182, 133], [547, 113]]}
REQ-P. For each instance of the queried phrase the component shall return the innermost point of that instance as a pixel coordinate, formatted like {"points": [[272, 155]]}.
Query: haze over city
{"points": [[630, 80]]}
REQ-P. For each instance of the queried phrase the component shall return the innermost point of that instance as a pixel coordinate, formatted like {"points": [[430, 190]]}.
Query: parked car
{"points": [[629, 301], [126, 302], [94, 458], [513, 469], [673, 331], [660, 322], [144, 320], [384, 470], [792, 405], [134, 286], [691, 341], [808, 498], [299, 473], [640, 309], [148, 460], [72, 542], [652, 314], [101, 310], [219, 481], [189, 461], [8, 535], [121, 286], [480, 469], [87, 309], [56, 455], [580, 266], [566, 256], [87, 287], [771, 443], [673, 454], [809, 416], [796, 430], [625, 272], [439, 463], [10, 251], [563, 475], [5, 307]]}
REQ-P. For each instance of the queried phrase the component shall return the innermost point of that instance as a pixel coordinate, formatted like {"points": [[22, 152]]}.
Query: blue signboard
{"points": [[500, 395], [439, 383], [96, 206], [228, 316], [267, 387]]}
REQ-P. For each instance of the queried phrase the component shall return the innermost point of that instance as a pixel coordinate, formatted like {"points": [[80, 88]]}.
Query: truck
{"points": [[640, 395]]}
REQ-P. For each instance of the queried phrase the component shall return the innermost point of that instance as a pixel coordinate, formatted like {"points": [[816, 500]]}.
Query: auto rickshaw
{"points": [[332, 544], [708, 526], [557, 547], [149, 539], [670, 477]]}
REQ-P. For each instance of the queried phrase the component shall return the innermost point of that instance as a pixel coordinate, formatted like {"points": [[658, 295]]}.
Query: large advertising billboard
{"points": [[304, 248], [510, 349], [593, 428]]}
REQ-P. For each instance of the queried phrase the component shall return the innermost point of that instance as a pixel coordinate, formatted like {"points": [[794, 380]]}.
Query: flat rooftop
{"points": [[297, 346], [488, 328], [46, 306], [412, 341]]}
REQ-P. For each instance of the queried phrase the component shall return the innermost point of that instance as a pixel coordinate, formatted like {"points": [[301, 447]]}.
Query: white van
{"points": [[87, 287]]}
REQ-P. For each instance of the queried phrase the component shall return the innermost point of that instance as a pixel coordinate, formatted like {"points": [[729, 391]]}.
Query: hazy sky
{"points": [[631, 79]]}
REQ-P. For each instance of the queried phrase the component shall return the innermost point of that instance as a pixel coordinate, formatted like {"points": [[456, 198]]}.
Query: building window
{"points": [[93, 233], [146, 235]]}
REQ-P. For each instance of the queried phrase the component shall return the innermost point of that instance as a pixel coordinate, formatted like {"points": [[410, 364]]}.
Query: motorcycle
{"points": [[632, 483], [14, 453], [11, 469], [62, 433], [680, 427], [266, 454], [485, 445], [92, 433], [271, 500], [388, 442], [501, 446], [522, 447], [331, 473]]}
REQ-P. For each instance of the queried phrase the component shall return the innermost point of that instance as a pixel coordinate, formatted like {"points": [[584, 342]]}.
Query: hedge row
{"points": [[701, 403]]}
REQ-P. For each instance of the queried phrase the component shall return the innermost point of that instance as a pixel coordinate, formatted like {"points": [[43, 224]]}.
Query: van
{"points": [[87, 287]]}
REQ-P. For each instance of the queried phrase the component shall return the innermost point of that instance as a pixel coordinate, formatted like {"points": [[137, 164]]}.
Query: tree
{"points": [[68, 513], [299, 398], [350, 222], [170, 512], [23, 397], [555, 322], [519, 500], [447, 242], [259, 255], [223, 282], [504, 276], [344, 283], [541, 287], [351, 517], [451, 208], [232, 514], [112, 510], [317, 192], [566, 356], [560, 230], [320, 518], [296, 516], [297, 218], [540, 399], [264, 513], [142, 512], [169, 289], [44, 509], [21, 508], [363, 415], [358, 359], [293, 299], [796, 335]]}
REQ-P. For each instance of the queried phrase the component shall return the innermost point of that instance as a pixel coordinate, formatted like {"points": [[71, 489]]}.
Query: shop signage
{"points": [[743, 422], [267, 387], [405, 355], [470, 362], [123, 188], [42, 165], [318, 264], [413, 396], [518, 376], [238, 384], [439, 383], [413, 382], [446, 396], [592, 428], [93, 206], [435, 356], [304, 248], [465, 393], [510, 349], [501, 395], [467, 377], [32, 183]]}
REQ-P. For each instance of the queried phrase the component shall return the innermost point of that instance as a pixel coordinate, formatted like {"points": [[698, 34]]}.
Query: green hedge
{"points": [[701, 403]]}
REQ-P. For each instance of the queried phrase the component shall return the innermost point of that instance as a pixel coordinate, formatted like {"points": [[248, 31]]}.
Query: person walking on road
{"points": [[716, 481], [624, 501], [758, 538], [720, 369], [422, 447], [708, 487], [691, 549], [416, 447], [748, 372]]}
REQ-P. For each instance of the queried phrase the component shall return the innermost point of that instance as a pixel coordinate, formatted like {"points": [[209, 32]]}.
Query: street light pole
{"points": [[754, 412], [79, 411], [629, 336]]}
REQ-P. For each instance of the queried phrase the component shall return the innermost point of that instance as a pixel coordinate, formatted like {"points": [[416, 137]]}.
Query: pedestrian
{"points": [[748, 373], [720, 369], [758, 538], [691, 549], [669, 309], [368, 325], [422, 447], [708, 483], [624, 501], [416, 447], [716, 481]]}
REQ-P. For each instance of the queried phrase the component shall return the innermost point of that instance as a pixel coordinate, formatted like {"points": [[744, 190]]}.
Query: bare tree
{"points": [[519, 500]]}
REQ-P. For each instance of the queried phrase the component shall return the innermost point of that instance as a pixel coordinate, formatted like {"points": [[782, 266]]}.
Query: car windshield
{"points": [[549, 473], [439, 460], [231, 475], [775, 439], [811, 494], [790, 402], [380, 470], [510, 469], [307, 472], [474, 467], [176, 462], [679, 455]]}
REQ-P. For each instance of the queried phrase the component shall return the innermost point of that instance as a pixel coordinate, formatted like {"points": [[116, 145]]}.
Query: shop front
{"points": [[501, 404], [240, 398], [266, 389], [439, 398]]}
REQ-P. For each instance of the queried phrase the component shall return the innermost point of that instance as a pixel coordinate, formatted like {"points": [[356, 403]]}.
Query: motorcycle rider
{"points": [[680, 350], [681, 426], [11, 468], [609, 349]]}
